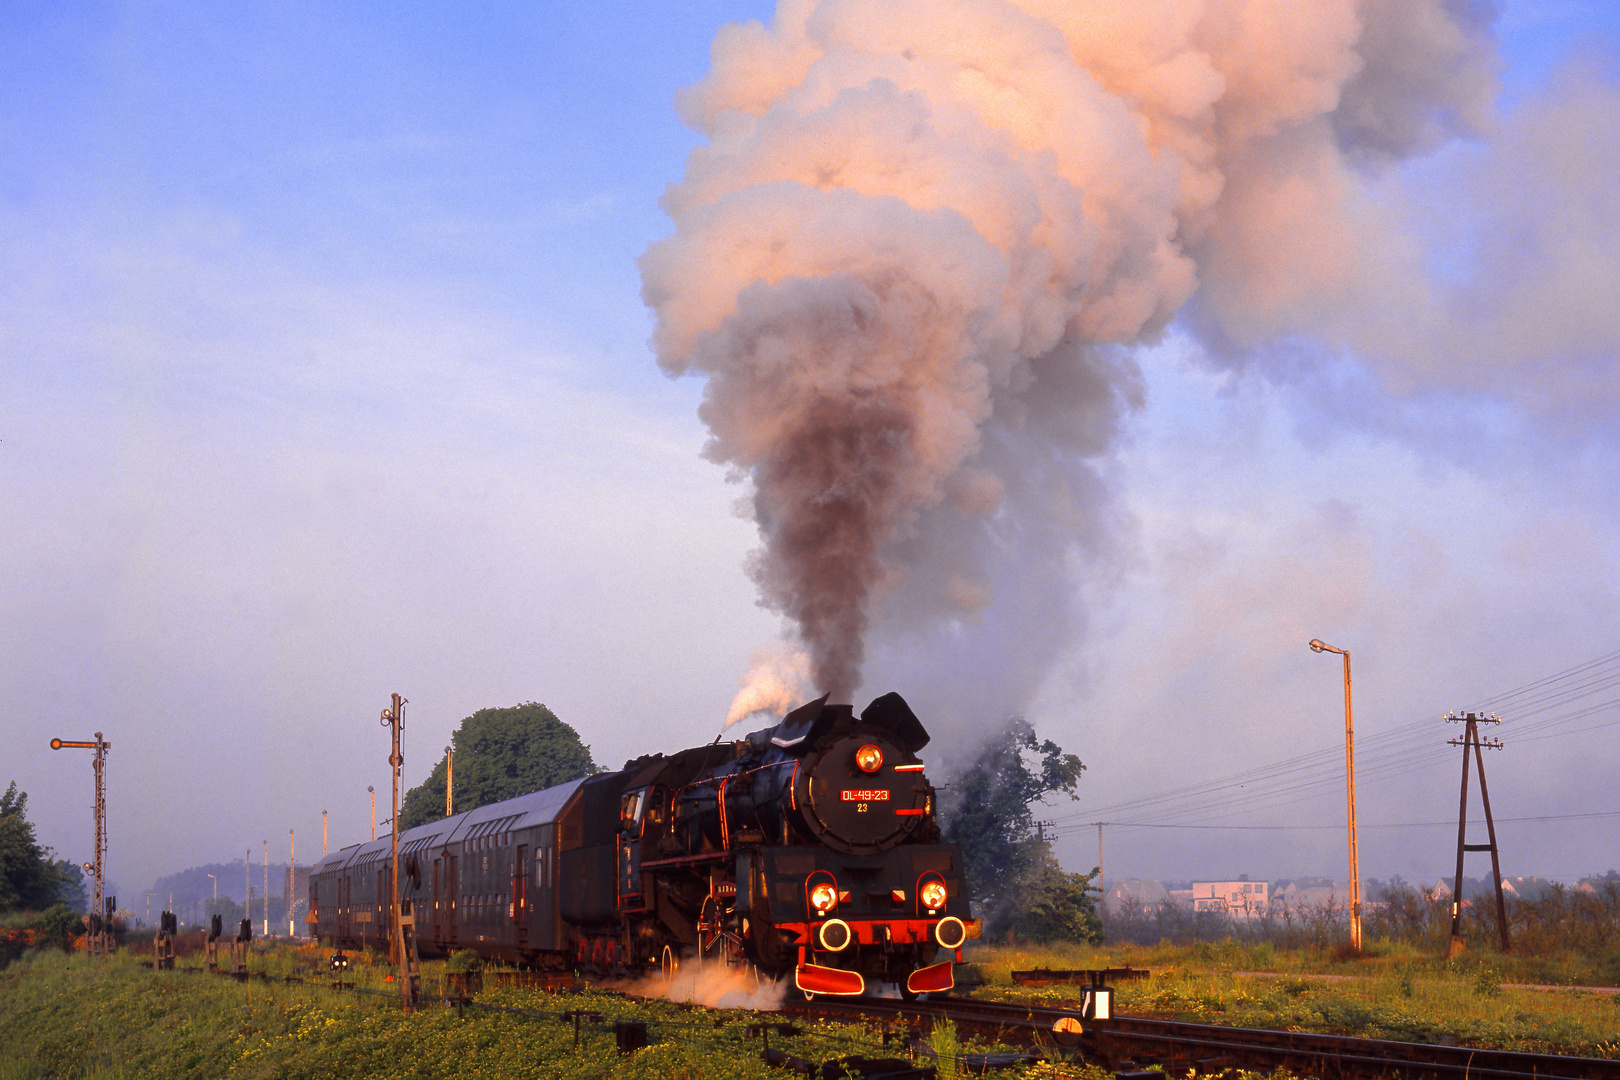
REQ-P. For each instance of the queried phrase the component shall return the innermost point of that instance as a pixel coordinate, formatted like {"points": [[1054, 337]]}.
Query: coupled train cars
{"points": [[809, 848]]}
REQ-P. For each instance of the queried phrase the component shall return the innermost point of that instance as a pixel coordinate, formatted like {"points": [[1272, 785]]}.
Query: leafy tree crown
{"points": [[500, 753], [988, 810]]}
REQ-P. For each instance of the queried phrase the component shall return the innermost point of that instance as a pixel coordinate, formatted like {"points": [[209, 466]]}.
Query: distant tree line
{"points": [[1555, 920], [32, 878]]}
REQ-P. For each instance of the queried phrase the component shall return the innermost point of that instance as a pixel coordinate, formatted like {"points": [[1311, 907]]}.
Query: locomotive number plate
{"points": [[865, 795]]}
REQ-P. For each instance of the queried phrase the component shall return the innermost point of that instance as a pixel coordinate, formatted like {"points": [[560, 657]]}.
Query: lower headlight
{"points": [[950, 933], [835, 935]]}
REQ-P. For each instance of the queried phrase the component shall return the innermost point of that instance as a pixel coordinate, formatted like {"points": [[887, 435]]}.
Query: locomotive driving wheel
{"points": [[717, 935], [667, 963]]}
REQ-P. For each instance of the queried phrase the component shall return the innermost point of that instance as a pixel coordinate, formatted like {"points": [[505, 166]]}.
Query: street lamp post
{"points": [[1350, 795], [373, 810]]}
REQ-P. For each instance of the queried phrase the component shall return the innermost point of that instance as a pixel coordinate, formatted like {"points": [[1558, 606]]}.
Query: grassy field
{"points": [[1393, 992], [72, 1017]]}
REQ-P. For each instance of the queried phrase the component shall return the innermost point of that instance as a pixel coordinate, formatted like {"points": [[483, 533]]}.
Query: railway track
{"points": [[1129, 1044]]}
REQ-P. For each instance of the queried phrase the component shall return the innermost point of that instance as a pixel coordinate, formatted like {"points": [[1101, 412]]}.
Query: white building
{"points": [[1239, 899]]}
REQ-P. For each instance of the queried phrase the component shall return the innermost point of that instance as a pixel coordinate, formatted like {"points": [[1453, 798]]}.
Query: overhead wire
{"points": [[1541, 709]]}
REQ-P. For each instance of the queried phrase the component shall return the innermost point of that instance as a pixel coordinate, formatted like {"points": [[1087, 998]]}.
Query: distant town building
{"points": [[1134, 892], [1239, 899]]}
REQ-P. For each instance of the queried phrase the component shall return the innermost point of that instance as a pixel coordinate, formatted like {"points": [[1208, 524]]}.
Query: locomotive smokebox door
{"points": [[856, 800]]}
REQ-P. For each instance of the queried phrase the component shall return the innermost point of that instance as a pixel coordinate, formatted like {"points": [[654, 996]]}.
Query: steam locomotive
{"points": [[809, 848]]}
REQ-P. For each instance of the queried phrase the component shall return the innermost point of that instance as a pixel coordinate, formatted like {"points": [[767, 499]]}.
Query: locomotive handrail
{"points": [[704, 780], [682, 860]]}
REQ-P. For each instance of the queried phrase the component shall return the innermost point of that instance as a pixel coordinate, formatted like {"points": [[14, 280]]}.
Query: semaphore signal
{"points": [[100, 928]]}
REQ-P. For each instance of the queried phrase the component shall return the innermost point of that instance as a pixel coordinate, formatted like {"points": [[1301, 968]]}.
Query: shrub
{"points": [[59, 925], [464, 961]]}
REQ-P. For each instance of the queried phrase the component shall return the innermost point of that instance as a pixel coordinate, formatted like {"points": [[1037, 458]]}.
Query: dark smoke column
{"points": [[922, 236], [824, 501]]}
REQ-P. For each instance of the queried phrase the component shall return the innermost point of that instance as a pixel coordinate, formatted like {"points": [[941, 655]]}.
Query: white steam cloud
{"points": [[714, 985], [778, 678], [924, 233]]}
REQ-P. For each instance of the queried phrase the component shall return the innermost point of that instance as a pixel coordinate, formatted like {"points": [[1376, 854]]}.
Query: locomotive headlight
{"points": [[869, 758], [835, 935], [932, 894], [823, 897], [950, 932]]}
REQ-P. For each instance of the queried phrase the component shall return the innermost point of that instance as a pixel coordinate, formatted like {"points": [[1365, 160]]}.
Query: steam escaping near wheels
{"points": [[714, 985]]}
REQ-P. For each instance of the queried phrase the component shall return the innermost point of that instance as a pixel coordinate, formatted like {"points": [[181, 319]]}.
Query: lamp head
{"points": [[1317, 646]]}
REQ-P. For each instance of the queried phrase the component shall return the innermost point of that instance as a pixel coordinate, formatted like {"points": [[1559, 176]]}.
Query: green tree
{"points": [[988, 810], [1058, 906], [500, 753], [30, 878], [71, 891]]}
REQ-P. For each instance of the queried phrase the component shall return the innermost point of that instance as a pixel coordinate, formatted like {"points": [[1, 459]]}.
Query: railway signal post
{"points": [[393, 719], [1471, 738], [100, 940]]}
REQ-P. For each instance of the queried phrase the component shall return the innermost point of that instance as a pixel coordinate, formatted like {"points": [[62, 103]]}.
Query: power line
{"points": [[1383, 755], [1339, 826]]}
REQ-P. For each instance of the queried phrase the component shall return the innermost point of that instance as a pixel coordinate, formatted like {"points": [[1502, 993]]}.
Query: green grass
{"points": [[1393, 992], [72, 1017]]}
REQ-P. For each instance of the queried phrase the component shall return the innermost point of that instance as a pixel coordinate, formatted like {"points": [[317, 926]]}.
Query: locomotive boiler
{"points": [[808, 849]]}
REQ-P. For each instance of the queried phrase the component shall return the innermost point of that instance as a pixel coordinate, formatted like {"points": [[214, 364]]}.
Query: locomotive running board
{"points": [[815, 979], [932, 980]]}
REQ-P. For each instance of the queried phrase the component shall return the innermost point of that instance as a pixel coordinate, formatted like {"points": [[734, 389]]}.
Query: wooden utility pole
{"points": [[101, 938], [1102, 890], [1471, 738]]}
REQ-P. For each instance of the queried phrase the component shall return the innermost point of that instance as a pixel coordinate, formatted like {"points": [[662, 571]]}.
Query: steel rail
{"points": [[1128, 1042]]}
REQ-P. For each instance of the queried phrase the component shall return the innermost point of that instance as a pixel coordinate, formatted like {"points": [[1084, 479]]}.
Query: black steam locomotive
{"points": [[810, 847]]}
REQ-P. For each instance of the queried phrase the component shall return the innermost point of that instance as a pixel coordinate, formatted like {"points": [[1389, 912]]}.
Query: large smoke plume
{"points": [[923, 234]]}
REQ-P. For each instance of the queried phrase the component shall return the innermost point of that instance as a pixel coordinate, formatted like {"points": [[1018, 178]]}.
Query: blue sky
{"points": [[324, 374]]}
